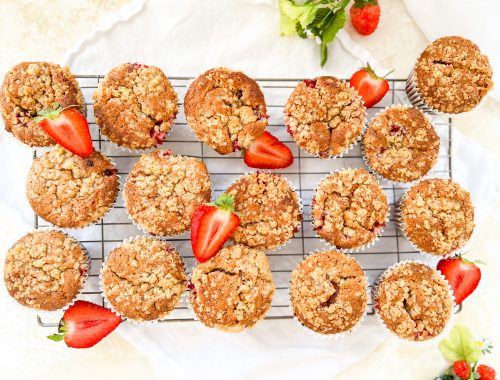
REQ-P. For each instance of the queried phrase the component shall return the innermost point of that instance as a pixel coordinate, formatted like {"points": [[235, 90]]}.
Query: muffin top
{"points": [[414, 301], [233, 290], [452, 75], [163, 191], [349, 208], [31, 87], [143, 279], [135, 105], [324, 116], [401, 144], [225, 109], [437, 216], [328, 292], [71, 191], [45, 270], [268, 207]]}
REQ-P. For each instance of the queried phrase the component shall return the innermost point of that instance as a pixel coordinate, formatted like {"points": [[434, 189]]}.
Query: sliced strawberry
{"points": [[212, 225], [267, 152], [68, 128], [365, 15], [84, 324], [463, 276], [369, 85]]}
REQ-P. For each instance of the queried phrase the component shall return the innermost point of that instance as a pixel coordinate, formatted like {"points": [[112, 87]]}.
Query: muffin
{"points": [[46, 270], [72, 191], [164, 190], [233, 290], [328, 292], [400, 144], [135, 106], [437, 216], [325, 116], [414, 301], [268, 207], [349, 209], [451, 76], [143, 279], [31, 87], [225, 109]]}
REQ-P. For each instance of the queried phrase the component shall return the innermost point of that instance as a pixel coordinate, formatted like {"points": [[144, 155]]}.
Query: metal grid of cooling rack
{"points": [[304, 174]]}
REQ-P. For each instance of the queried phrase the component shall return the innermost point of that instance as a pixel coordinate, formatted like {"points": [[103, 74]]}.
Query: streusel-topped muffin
{"points": [[225, 109], [328, 292], [233, 290]]}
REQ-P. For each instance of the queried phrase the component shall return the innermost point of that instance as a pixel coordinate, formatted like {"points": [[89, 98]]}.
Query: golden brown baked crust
{"points": [[31, 87], [437, 216], [45, 270], [144, 279], [328, 292], [401, 144], [414, 301], [71, 191], [269, 210], [233, 290], [135, 105], [349, 208], [225, 109], [164, 190], [452, 75], [324, 116]]}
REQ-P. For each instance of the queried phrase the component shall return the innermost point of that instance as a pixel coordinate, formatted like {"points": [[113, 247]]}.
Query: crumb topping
{"points": [[144, 279], [163, 191], [349, 208], [233, 290], [71, 191], [45, 270], [324, 116], [269, 210], [225, 109], [438, 216]]}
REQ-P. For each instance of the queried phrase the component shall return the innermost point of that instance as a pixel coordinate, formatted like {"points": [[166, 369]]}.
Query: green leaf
{"points": [[334, 26], [460, 345], [56, 337], [303, 13], [300, 30], [287, 25], [362, 3]]}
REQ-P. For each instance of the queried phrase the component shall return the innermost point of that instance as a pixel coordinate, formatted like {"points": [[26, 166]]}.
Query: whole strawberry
{"points": [[486, 373], [365, 15], [462, 369]]}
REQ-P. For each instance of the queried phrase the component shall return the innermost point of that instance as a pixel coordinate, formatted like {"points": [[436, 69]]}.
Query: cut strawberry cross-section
{"points": [[267, 152]]}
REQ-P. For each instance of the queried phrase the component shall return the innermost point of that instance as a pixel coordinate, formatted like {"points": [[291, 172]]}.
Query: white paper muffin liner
{"points": [[361, 248], [415, 96], [110, 305], [421, 343]]}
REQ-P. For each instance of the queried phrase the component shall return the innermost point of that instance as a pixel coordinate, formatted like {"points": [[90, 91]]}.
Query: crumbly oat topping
{"points": [[164, 190], [225, 109], [144, 279], [401, 144], [452, 75], [328, 292], [233, 290], [135, 105], [349, 208], [324, 116], [269, 210], [71, 191], [45, 270], [414, 301], [438, 216], [31, 87]]}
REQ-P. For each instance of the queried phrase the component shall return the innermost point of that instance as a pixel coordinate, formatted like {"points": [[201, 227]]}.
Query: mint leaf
{"points": [[302, 13], [460, 345]]}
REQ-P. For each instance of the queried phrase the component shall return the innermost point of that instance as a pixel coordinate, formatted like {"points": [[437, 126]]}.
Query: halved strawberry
{"points": [[463, 276], [212, 225], [84, 324], [267, 152], [369, 85], [68, 128]]}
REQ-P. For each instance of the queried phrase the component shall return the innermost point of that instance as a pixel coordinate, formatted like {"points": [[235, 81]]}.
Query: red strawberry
{"points": [[463, 276], [486, 373], [267, 152], [365, 15], [84, 324], [462, 369], [212, 225], [68, 128], [369, 85]]}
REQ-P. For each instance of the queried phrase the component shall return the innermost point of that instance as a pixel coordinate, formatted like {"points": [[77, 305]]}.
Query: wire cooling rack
{"points": [[304, 174]]}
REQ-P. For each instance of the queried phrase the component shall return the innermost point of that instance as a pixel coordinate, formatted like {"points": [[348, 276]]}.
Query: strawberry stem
{"points": [[224, 202]]}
